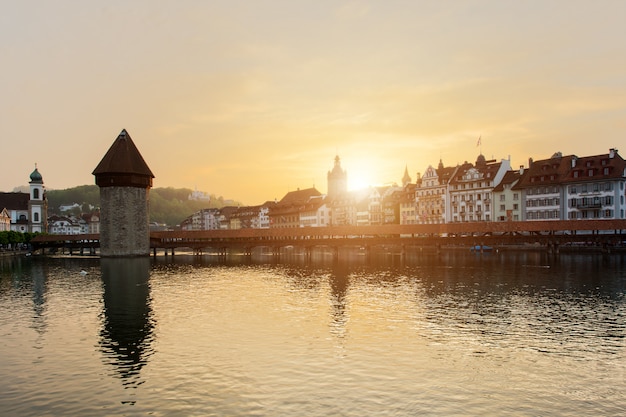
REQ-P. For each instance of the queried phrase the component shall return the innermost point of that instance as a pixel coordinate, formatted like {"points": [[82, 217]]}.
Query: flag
{"points": [[478, 143]]}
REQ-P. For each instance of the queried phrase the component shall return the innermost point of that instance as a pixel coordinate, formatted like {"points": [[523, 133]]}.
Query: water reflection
{"points": [[127, 331]]}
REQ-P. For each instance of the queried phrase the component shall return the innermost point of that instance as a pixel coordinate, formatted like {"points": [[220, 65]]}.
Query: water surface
{"points": [[451, 334]]}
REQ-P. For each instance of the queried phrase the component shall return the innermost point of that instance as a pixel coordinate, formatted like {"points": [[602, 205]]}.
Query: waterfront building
{"points": [[344, 207], [125, 180], [507, 202], [471, 187], [223, 216], [594, 187], [407, 205], [286, 212], [205, 219], [315, 212], [251, 217], [392, 199], [67, 225], [431, 194], [28, 212], [93, 221], [542, 189]]}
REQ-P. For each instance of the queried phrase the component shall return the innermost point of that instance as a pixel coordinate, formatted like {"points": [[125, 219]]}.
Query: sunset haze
{"points": [[251, 100]]}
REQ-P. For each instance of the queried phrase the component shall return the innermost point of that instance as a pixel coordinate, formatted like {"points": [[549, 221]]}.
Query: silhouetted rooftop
{"points": [[123, 157]]}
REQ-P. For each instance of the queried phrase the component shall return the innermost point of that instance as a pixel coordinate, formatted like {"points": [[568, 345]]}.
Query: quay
{"points": [[550, 235]]}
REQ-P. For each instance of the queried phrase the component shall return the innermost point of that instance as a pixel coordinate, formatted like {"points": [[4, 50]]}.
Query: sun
{"points": [[362, 174]]}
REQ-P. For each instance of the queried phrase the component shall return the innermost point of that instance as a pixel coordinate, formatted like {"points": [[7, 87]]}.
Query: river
{"points": [[454, 334]]}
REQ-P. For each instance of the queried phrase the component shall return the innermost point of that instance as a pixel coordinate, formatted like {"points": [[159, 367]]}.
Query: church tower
{"points": [[406, 179], [337, 180], [125, 181], [37, 204]]}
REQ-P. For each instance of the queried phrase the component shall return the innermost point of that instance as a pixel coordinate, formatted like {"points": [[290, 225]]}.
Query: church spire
{"points": [[406, 179]]}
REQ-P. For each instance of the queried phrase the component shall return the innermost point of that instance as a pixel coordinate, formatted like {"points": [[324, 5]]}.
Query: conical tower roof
{"points": [[123, 165]]}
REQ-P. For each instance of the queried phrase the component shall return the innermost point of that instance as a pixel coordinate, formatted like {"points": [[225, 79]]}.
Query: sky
{"points": [[252, 99]]}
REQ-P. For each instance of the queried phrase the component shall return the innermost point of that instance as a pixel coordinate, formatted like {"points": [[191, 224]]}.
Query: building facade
{"points": [[471, 187]]}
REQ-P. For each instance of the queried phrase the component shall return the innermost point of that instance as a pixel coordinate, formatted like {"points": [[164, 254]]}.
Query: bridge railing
{"points": [[389, 231]]}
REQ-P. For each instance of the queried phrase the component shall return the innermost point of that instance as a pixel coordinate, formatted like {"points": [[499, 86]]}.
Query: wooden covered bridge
{"points": [[549, 234]]}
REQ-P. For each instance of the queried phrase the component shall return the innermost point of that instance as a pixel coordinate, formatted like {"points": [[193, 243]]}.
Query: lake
{"points": [[456, 333]]}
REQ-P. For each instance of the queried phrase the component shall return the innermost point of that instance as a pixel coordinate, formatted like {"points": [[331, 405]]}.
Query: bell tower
{"points": [[37, 204], [337, 180]]}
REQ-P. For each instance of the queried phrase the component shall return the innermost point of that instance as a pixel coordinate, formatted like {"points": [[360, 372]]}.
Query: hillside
{"points": [[167, 205]]}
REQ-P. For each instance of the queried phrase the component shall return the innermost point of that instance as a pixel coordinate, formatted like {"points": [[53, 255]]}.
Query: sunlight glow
{"points": [[363, 174]]}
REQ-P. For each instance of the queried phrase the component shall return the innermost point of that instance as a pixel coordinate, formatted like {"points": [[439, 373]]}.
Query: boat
{"points": [[481, 248]]}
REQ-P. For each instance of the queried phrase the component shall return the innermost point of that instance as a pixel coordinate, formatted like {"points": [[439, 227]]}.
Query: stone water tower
{"points": [[124, 180]]}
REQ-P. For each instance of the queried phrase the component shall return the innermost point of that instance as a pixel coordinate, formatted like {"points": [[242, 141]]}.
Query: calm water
{"points": [[454, 334]]}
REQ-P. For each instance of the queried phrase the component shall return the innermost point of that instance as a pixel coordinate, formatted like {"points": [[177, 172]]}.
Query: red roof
{"points": [[593, 168]]}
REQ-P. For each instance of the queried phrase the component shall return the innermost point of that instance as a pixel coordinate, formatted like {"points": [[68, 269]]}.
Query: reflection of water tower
{"points": [[124, 180], [127, 331]]}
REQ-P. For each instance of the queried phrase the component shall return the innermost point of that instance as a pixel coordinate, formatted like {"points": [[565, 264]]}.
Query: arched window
{"points": [[36, 194]]}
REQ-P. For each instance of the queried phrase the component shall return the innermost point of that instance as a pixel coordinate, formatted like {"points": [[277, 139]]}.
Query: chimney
{"points": [[574, 160], [521, 169], [530, 162], [612, 153]]}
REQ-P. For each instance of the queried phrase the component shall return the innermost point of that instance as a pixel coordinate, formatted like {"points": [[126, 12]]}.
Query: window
{"points": [[36, 194], [502, 197], [502, 207], [516, 196], [36, 217], [515, 207]]}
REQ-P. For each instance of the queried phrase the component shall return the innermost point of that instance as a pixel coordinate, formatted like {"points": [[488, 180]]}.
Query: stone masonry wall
{"points": [[124, 227]]}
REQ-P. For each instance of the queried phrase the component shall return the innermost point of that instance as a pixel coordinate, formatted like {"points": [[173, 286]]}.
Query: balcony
{"points": [[587, 206]]}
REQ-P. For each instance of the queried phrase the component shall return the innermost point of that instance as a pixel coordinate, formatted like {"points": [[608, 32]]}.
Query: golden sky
{"points": [[252, 99]]}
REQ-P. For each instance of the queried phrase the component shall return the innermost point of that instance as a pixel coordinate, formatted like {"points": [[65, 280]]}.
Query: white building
{"points": [[507, 201], [28, 212], [594, 187], [471, 187]]}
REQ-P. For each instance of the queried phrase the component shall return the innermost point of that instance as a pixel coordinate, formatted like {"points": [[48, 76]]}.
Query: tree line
{"points": [[168, 205], [13, 239]]}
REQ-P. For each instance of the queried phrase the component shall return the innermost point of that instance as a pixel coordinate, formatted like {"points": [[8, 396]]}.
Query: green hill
{"points": [[167, 205]]}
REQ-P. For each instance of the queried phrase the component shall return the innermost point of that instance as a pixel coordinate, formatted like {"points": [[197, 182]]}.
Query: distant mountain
{"points": [[167, 205]]}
